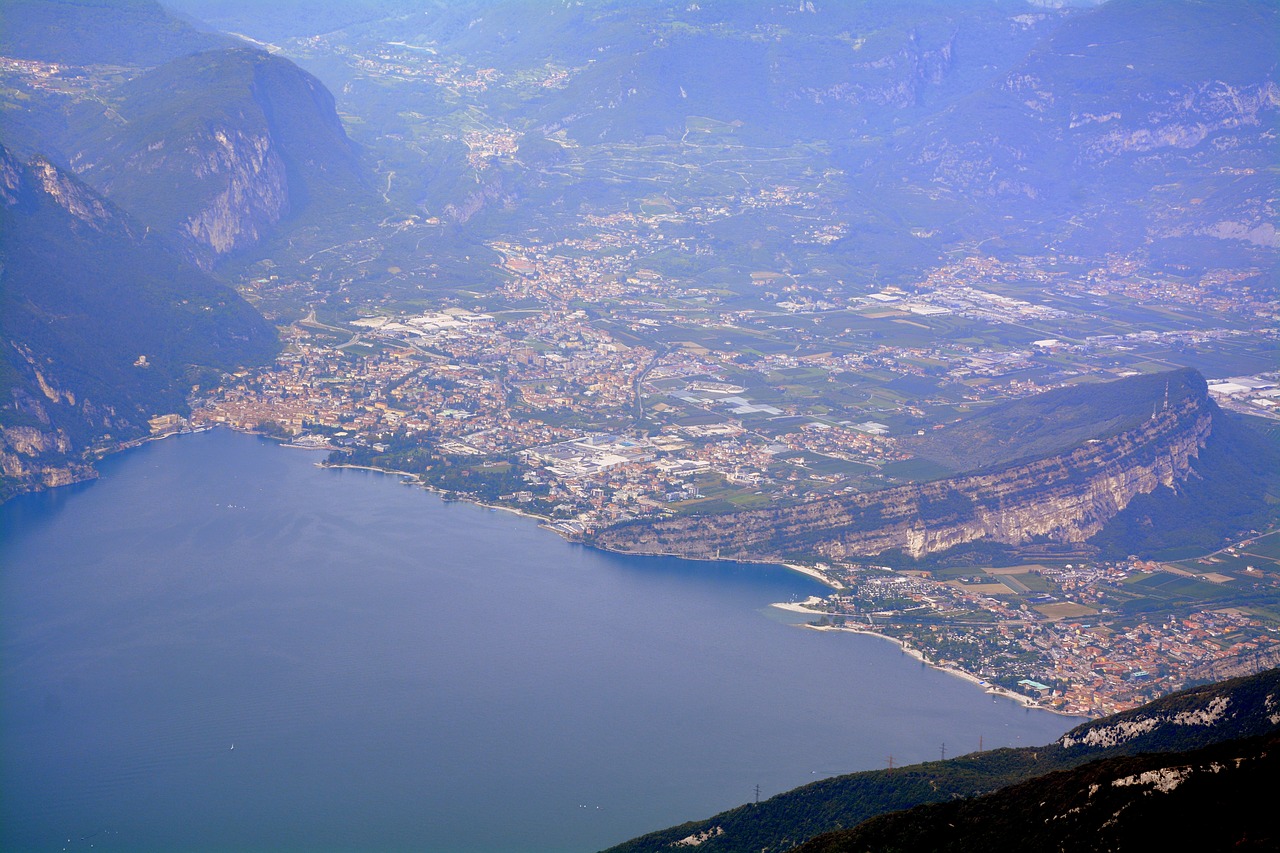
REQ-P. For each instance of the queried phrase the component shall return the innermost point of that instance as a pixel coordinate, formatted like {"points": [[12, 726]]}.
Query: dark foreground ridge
{"points": [[1129, 803], [1236, 719]]}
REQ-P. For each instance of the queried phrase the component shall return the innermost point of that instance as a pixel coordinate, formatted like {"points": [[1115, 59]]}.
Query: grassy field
{"points": [[1162, 585], [1065, 610]]}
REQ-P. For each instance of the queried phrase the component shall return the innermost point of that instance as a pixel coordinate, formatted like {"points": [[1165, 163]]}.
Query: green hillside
{"points": [[1053, 422], [106, 32], [83, 298], [1132, 803], [1192, 719]]}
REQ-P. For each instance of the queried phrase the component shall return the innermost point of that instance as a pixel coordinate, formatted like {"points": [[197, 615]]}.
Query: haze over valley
{"points": [[968, 311]]}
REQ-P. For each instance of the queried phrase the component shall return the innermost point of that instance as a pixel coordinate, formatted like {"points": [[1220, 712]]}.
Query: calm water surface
{"points": [[398, 673]]}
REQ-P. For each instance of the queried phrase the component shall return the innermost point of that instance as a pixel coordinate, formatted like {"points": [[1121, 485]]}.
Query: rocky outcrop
{"points": [[216, 149], [254, 194], [34, 457], [1063, 498], [896, 80], [71, 196], [1186, 118]]}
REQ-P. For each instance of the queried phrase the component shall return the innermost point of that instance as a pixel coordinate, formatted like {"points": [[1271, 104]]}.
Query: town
{"points": [[610, 393], [1055, 633], [689, 344]]}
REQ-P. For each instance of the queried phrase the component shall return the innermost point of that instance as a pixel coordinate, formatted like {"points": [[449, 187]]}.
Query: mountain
{"points": [[217, 148], [285, 19], [198, 136], [102, 327], [1223, 717], [98, 32], [1133, 123], [1060, 468], [778, 71], [1137, 803], [1080, 128], [1138, 122]]}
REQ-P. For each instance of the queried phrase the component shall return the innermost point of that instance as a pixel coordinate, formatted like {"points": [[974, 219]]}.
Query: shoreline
{"points": [[993, 689], [551, 524], [794, 607], [414, 481], [804, 570]]}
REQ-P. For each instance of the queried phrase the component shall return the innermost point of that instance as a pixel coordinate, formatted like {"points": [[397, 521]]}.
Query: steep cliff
{"points": [[1063, 497], [217, 148], [100, 327]]}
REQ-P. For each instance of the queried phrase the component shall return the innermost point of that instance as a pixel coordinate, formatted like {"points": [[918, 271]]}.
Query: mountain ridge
{"points": [[1200, 717], [103, 328], [1125, 803], [218, 148], [1067, 495]]}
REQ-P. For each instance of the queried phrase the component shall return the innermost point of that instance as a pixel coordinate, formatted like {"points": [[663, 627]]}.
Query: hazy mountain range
{"points": [[1020, 125]]}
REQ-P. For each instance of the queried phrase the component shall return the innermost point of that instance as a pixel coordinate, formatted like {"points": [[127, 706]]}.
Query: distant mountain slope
{"points": [[1138, 121], [217, 148], [98, 32], [283, 19], [779, 70], [1138, 125], [1202, 717], [101, 328], [1058, 468]]}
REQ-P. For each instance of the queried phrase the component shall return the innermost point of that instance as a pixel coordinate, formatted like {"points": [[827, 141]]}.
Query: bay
{"points": [[221, 646]]}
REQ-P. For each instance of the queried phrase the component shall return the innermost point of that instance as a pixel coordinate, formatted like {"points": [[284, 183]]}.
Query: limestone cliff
{"points": [[216, 149], [254, 191], [1065, 497], [39, 456], [100, 328]]}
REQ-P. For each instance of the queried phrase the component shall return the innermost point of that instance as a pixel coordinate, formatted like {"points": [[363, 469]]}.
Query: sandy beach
{"points": [[805, 606], [815, 574], [995, 690]]}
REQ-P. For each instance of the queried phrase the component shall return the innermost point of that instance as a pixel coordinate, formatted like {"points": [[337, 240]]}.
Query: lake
{"points": [[221, 646]]}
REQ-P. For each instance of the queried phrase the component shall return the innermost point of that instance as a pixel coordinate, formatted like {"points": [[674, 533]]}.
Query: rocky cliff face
{"points": [[895, 81], [100, 329], [1064, 498], [254, 190], [217, 148], [39, 457]]}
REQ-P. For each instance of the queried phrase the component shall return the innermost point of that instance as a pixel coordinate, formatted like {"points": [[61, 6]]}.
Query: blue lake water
{"points": [[399, 673]]}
